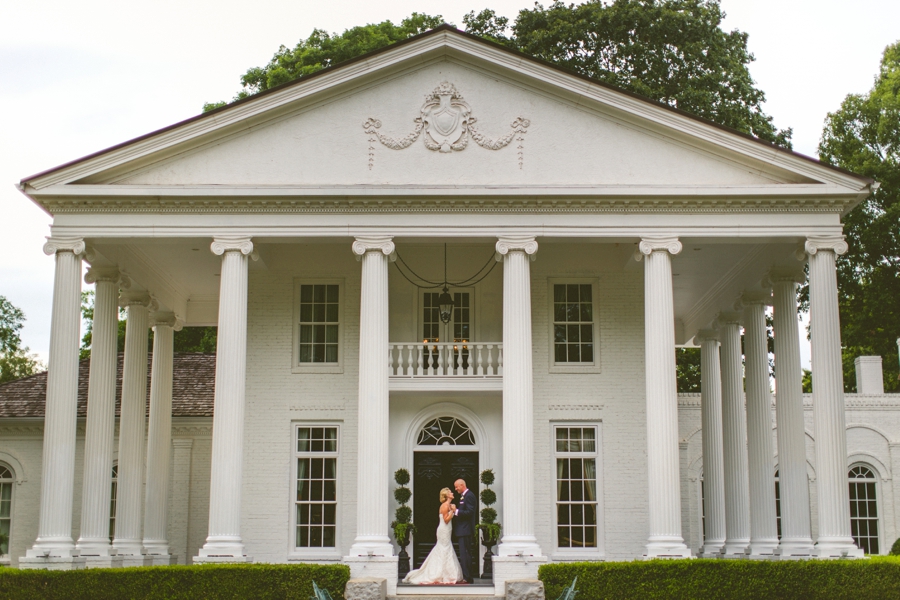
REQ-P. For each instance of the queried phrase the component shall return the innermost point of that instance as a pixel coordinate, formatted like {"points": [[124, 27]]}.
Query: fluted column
{"points": [[159, 439], [373, 477], [132, 428], [796, 539], [734, 438], [224, 542], [713, 457], [54, 538], [518, 399], [665, 538], [828, 399], [760, 453], [101, 418]]}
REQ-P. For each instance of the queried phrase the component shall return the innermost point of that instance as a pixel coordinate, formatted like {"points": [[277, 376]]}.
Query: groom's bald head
{"points": [[460, 486]]}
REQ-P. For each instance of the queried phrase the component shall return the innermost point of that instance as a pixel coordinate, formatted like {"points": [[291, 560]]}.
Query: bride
{"points": [[441, 564]]}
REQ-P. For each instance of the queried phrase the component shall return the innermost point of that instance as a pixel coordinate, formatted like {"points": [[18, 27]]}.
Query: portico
{"points": [[566, 369]]}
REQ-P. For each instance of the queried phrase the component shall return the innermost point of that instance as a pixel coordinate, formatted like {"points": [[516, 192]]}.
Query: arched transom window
{"points": [[6, 490], [863, 509], [446, 431]]}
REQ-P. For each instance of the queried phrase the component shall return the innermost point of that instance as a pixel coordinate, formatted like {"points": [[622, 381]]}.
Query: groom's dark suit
{"points": [[464, 528]]}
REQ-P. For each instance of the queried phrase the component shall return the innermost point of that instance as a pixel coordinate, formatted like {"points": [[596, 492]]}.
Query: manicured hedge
{"points": [[213, 582], [871, 579]]}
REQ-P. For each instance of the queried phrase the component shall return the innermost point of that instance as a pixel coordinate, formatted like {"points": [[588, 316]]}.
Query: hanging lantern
{"points": [[445, 301]]}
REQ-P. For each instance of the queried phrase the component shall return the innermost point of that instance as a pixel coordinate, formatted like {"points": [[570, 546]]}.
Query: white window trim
{"points": [[586, 367], [307, 554], [578, 554], [296, 365], [15, 481], [879, 504]]}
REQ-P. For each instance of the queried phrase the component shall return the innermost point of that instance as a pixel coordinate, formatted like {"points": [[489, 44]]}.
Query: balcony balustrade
{"points": [[445, 359]]}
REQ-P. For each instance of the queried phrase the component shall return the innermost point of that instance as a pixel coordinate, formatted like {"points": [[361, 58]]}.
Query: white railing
{"points": [[447, 359]]}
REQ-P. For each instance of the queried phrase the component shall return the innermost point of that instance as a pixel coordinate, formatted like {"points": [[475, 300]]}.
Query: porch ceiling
{"points": [[708, 274]]}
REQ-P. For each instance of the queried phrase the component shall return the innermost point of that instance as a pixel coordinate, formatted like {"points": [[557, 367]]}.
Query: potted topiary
{"points": [[489, 527], [402, 525]]}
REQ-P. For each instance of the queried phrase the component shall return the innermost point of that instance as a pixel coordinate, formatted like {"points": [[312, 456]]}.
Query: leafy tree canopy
{"points": [[15, 360], [672, 51], [863, 135]]}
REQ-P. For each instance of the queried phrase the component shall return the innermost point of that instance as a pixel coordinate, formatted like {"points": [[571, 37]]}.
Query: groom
{"points": [[464, 528]]}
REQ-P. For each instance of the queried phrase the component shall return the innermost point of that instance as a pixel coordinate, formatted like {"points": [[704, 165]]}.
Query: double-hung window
{"points": [[316, 453], [576, 453], [7, 481], [573, 326], [318, 329]]}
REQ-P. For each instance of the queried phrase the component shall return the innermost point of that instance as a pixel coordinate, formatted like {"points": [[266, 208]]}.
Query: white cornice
{"points": [[411, 55]]}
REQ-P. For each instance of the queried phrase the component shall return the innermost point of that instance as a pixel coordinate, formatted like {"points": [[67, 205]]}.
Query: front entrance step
{"points": [[444, 592]]}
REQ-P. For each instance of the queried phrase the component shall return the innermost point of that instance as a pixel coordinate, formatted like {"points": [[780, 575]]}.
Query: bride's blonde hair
{"points": [[446, 493]]}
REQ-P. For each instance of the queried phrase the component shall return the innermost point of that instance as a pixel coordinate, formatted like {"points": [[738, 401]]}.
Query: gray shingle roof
{"points": [[193, 388]]}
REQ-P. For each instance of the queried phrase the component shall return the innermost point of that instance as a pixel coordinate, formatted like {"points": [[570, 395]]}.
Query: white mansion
{"points": [[317, 225]]}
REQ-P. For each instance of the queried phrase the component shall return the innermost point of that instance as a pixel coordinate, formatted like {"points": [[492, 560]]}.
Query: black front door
{"points": [[433, 471]]}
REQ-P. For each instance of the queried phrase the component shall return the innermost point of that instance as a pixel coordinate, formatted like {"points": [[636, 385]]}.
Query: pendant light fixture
{"points": [[445, 301]]}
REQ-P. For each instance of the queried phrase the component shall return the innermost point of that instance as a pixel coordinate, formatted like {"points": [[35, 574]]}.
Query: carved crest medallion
{"points": [[447, 122]]}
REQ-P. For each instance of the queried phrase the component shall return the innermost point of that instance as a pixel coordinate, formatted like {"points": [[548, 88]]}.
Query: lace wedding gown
{"points": [[441, 564]]}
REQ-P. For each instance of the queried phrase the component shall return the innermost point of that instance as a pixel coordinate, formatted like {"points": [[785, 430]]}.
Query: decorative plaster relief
{"points": [[447, 121]]}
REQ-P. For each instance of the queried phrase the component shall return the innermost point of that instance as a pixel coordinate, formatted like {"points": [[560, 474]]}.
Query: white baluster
{"points": [[419, 358], [478, 348], [470, 370], [499, 370], [489, 361], [410, 348]]}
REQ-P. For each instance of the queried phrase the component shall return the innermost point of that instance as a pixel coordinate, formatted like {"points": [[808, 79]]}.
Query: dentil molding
{"points": [[445, 123]]}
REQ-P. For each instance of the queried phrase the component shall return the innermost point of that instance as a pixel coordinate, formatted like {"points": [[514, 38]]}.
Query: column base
{"points": [[837, 548], [763, 549], [52, 563], [103, 562], [222, 548], [518, 546], [162, 560], [712, 550], [95, 547], [736, 549], [61, 547], [368, 546], [374, 567], [667, 547], [794, 549], [509, 568]]}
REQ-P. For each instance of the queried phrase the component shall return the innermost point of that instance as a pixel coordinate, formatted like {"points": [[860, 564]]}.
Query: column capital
{"points": [[165, 319], [515, 243], [56, 244], [706, 335], [138, 299], [652, 244], [233, 243], [763, 297], [729, 318], [380, 243], [783, 275], [815, 243], [102, 274]]}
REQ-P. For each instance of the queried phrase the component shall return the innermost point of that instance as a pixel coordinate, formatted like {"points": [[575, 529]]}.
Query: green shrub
{"points": [[207, 582], [895, 549], [872, 579]]}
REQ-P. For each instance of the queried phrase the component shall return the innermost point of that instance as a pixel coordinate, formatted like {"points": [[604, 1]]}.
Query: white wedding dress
{"points": [[441, 564]]}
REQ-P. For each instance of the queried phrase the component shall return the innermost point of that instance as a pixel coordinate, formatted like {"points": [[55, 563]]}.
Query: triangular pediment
{"points": [[444, 111]]}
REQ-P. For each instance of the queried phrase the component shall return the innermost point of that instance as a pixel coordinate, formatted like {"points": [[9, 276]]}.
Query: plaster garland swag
{"points": [[447, 121]]}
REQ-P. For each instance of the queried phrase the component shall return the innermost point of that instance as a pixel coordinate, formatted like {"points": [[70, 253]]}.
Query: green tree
{"points": [[322, 49], [863, 136], [672, 51], [687, 370], [15, 360]]}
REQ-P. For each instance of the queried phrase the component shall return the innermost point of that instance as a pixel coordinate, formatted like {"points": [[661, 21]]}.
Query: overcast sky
{"points": [[77, 77]]}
